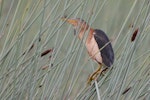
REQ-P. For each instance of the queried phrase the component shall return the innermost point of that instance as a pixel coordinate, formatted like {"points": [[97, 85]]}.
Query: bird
{"points": [[97, 43]]}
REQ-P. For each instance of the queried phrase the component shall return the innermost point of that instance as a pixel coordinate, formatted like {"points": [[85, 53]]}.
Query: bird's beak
{"points": [[70, 21]]}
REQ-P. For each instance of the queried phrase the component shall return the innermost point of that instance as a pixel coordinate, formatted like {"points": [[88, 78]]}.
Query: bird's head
{"points": [[78, 24]]}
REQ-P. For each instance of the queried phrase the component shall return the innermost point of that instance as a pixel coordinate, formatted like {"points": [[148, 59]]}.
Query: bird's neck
{"points": [[83, 32]]}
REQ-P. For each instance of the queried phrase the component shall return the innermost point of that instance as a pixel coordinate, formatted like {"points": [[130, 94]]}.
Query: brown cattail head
{"points": [[134, 34], [45, 67], [126, 90], [46, 52]]}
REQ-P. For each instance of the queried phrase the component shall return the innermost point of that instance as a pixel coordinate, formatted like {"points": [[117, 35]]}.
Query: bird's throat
{"points": [[84, 33]]}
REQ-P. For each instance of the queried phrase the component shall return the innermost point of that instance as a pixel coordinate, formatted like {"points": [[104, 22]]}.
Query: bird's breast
{"points": [[93, 49]]}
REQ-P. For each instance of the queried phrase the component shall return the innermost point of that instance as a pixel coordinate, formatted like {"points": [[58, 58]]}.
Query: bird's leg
{"points": [[95, 74]]}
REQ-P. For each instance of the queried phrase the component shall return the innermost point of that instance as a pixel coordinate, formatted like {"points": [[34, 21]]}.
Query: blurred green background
{"points": [[29, 28]]}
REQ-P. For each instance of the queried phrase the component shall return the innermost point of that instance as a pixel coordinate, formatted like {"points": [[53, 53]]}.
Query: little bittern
{"points": [[97, 43]]}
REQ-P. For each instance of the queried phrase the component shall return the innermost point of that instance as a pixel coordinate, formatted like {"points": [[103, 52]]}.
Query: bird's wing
{"points": [[107, 52]]}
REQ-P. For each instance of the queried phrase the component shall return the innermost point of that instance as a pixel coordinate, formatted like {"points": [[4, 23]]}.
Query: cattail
{"points": [[126, 90], [46, 52], [134, 34]]}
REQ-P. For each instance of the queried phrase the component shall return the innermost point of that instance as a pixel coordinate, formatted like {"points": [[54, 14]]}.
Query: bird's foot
{"points": [[94, 76], [91, 78]]}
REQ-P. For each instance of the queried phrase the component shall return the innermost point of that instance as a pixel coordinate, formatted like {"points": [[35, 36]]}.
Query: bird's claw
{"points": [[94, 76]]}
